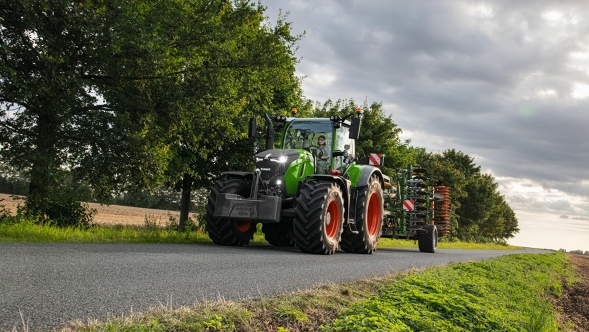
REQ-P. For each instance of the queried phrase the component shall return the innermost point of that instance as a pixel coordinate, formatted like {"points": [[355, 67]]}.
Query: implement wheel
{"points": [[227, 232], [428, 241], [318, 221], [279, 235], [368, 213]]}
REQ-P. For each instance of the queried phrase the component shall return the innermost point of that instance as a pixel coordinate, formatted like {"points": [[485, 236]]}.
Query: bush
{"points": [[4, 212], [62, 211]]}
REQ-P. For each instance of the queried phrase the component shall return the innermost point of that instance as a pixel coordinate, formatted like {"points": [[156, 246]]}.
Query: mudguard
{"points": [[361, 174]]}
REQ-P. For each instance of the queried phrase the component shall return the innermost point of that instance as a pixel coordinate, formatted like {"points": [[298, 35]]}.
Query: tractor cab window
{"points": [[305, 134], [343, 147]]}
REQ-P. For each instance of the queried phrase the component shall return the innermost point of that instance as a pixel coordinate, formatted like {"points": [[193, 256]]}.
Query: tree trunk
{"points": [[44, 164], [185, 201]]}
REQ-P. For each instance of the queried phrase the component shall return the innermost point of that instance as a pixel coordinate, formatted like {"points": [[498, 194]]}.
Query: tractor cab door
{"points": [[343, 148]]}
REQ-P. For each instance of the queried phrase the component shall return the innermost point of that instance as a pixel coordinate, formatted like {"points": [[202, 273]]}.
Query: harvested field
{"points": [[574, 303], [112, 214]]}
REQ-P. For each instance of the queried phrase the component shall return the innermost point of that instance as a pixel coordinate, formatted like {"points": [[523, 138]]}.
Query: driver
{"points": [[323, 155]]}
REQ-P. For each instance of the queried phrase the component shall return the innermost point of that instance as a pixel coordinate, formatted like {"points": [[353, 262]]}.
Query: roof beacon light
{"points": [[359, 110], [293, 111]]}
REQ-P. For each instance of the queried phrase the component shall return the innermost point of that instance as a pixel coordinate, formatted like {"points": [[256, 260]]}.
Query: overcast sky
{"points": [[506, 82]]}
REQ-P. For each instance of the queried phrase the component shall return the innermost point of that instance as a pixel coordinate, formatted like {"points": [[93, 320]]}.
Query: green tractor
{"points": [[317, 198]]}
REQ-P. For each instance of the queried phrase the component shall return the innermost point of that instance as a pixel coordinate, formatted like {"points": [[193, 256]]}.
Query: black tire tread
{"points": [[363, 243], [222, 231], [279, 235], [428, 242], [309, 233]]}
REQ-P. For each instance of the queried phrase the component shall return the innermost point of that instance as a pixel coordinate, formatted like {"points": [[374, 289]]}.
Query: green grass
{"points": [[444, 244], [31, 232], [510, 293], [505, 294]]}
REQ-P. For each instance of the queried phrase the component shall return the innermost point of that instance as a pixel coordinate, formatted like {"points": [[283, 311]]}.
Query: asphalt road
{"points": [[50, 284]]}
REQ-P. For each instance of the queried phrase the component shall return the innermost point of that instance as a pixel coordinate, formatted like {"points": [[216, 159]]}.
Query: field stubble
{"points": [[110, 215]]}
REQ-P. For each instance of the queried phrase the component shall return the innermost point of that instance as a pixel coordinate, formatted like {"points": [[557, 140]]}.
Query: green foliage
{"points": [[4, 212], [479, 212], [505, 294], [135, 94]]}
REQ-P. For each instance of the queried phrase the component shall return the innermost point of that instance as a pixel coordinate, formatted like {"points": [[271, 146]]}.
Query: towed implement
{"points": [[311, 193]]}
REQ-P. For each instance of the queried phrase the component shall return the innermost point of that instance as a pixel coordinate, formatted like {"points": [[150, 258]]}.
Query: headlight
{"points": [[278, 182], [282, 159]]}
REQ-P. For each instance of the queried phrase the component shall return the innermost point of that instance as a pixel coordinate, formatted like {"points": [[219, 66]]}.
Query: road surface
{"points": [[50, 284]]}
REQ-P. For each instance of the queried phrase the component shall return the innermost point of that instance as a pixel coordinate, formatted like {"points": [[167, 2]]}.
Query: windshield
{"points": [[304, 134]]}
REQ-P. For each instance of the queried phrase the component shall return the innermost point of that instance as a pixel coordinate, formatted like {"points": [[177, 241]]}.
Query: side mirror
{"points": [[355, 128], [252, 128]]}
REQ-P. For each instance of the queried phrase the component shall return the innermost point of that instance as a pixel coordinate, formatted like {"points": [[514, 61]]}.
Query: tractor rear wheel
{"points": [[318, 221], [428, 241], [279, 235], [227, 232], [368, 213]]}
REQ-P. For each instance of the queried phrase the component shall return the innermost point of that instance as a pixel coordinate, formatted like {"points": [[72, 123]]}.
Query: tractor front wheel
{"points": [[318, 221], [368, 213], [227, 232]]}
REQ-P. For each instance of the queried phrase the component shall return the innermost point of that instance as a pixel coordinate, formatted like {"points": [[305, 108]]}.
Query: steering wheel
{"points": [[313, 149]]}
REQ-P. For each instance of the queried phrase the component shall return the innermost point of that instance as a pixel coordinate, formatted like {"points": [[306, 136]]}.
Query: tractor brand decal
{"points": [[375, 159], [408, 205]]}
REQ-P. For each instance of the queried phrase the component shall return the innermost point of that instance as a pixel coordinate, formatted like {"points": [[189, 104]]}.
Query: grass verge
{"points": [[32, 232], [510, 293]]}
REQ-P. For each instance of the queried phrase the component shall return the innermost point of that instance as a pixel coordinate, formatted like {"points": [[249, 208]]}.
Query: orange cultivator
{"points": [[442, 210]]}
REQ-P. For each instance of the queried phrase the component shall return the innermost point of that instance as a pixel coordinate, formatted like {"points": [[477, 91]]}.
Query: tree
{"points": [[135, 93], [479, 212], [48, 110]]}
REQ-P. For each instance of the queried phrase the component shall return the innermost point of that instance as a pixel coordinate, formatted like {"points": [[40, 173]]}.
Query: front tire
{"points": [[368, 212], [318, 221], [228, 232], [428, 241]]}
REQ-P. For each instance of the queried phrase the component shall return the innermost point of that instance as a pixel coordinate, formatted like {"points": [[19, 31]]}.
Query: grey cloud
{"points": [[472, 81], [564, 217]]}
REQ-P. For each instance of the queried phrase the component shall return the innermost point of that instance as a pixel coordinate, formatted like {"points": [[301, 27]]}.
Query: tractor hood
{"points": [[275, 162]]}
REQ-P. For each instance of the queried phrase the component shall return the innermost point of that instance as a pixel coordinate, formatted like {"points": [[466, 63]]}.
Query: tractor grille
{"points": [[269, 169]]}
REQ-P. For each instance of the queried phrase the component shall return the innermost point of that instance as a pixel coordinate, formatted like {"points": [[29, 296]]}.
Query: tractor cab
{"points": [[305, 133]]}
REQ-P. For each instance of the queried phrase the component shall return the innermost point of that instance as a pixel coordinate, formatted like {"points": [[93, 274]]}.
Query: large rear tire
{"points": [[368, 213], [318, 221], [279, 235], [428, 241], [227, 232]]}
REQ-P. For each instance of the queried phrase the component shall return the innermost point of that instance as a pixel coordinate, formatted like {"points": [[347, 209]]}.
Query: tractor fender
{"points": [[365, 175]]}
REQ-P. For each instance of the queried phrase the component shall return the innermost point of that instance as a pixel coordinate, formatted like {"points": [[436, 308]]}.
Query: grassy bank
{"points": [[510, 293], [31, 232]]}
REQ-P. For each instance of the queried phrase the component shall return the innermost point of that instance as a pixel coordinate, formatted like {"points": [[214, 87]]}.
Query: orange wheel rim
{"points": [[332, 219], [243, 226], [373, 217]]}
